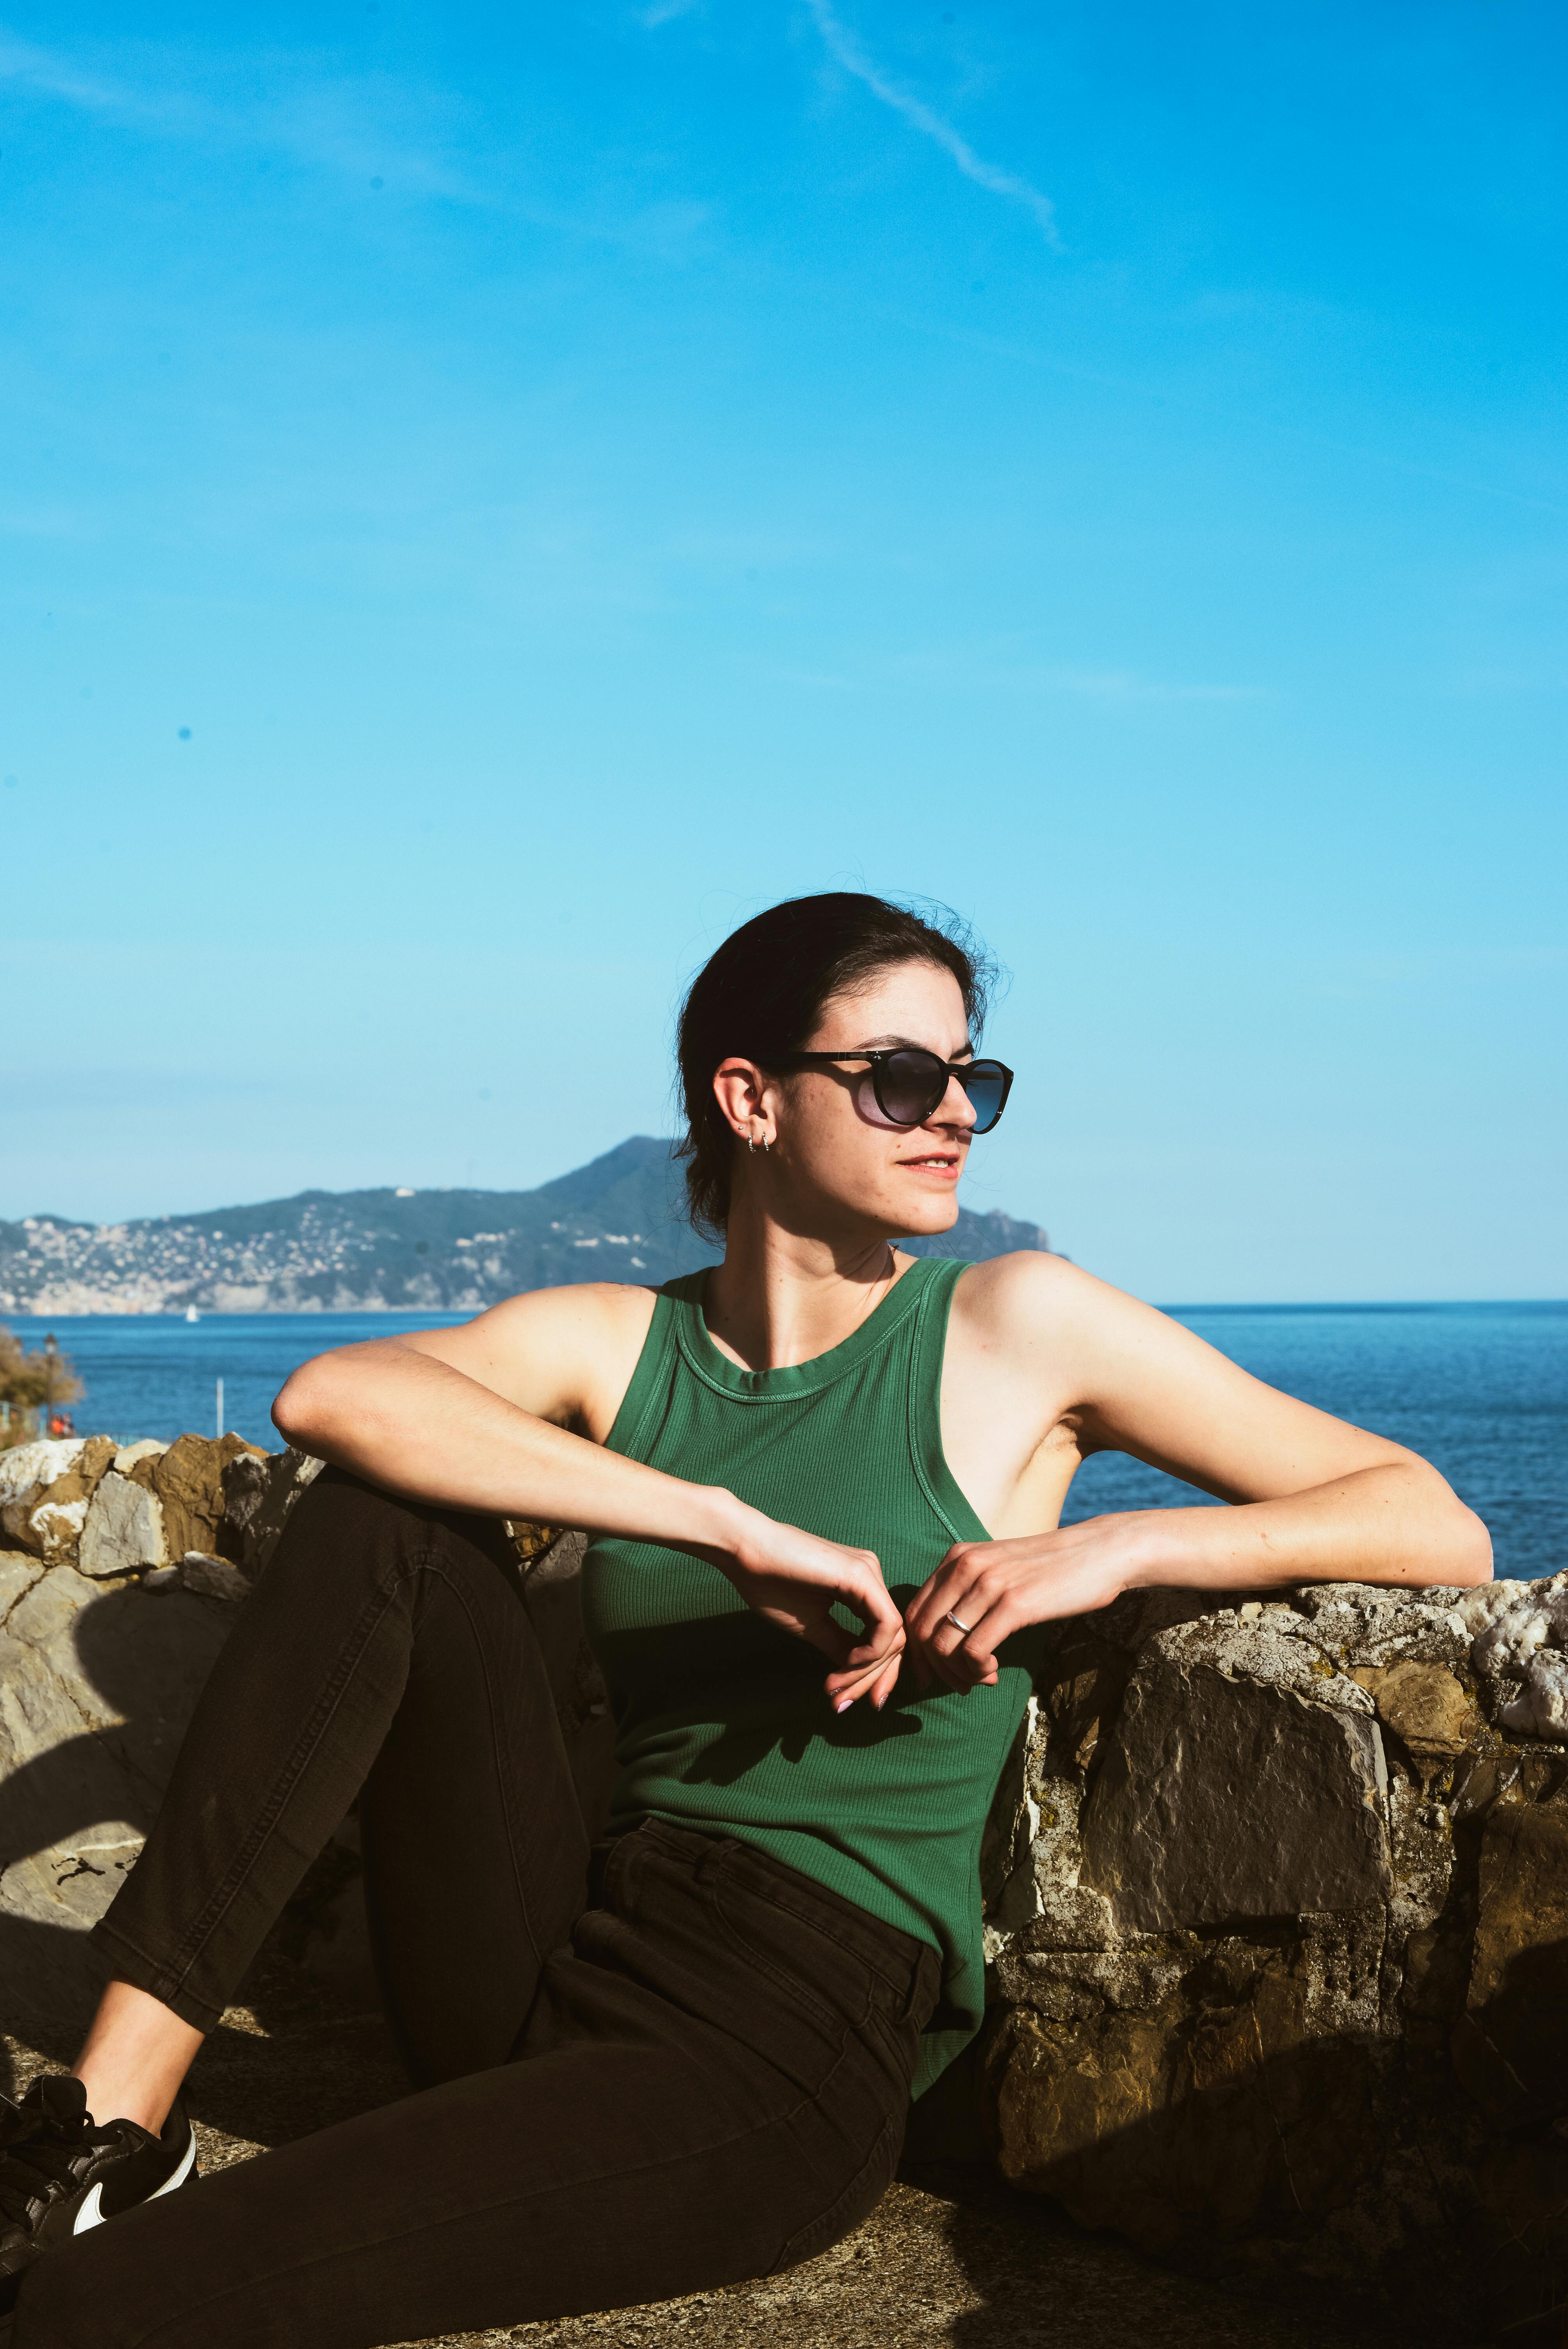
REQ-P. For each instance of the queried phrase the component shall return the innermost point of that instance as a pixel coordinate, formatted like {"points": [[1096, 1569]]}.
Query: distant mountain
{"points": [[619, 1218]]}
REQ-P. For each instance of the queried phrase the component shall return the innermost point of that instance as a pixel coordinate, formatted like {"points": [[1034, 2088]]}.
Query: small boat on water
{"points": [[191, 1314]]}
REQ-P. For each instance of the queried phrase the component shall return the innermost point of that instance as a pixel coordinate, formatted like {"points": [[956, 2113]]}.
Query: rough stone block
{"points": [[57, 1527], [60, 1511], [72, 1885], [245, 1482], [1511, 2048], [1068, 1917], [27, 1472], [1367, 1623], [49, 1902], [1426, 1708], [126, 1665], [19, 1572], [1225, 1797], [1219, 2111], [35, 1715], [50, 1607], [211, 1578], [1079, 2114], [1521, 1654], [123, 1529], [189, 1481], [131, 1455], [28, 1467]]}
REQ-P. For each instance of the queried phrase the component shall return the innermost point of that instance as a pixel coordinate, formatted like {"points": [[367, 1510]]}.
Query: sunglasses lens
{"points": [[909, 1085], [986, 1085]]}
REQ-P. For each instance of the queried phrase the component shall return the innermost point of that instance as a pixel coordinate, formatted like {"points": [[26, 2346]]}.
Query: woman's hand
{"points": [[996, 1588], [1397, 1513], [795, 1579], [467, 1417]]}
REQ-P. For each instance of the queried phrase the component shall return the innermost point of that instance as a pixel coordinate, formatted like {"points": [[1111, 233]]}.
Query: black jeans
{"points": [[669, 2064]]}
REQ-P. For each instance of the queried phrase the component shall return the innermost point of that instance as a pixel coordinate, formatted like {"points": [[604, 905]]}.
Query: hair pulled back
{"points": [[761, 993]]}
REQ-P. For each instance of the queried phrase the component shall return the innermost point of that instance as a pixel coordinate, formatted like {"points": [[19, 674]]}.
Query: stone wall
{"points": [[121, 1568], [1278, 1929], [1276, 1894]]}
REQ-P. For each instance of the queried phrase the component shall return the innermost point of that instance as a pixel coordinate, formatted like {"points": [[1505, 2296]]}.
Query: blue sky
{"points": [[491, 498]]}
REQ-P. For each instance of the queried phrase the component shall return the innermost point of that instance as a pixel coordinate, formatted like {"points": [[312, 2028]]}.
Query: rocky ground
{"points": [[952, 2258]]}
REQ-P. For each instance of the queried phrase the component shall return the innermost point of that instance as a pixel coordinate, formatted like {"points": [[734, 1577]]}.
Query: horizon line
{"points": [[442, 1312]]}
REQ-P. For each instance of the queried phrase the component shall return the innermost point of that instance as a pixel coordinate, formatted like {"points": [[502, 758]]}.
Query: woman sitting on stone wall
{"points": [[686, 2055]]}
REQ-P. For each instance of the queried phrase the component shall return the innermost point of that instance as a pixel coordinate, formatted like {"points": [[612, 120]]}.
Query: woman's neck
{"points": [[782, 1297]]}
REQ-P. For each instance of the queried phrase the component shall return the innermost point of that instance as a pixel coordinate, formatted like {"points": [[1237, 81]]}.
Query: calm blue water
{"points": [[1482, 1390]]}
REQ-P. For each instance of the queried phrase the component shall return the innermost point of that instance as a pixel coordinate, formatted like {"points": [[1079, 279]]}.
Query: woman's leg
{"points": [[135, 2057], [713, 2083], [475, 1852], [387, 1643]]}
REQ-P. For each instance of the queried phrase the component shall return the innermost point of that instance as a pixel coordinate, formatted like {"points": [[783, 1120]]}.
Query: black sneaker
{"points": [[61, 2172]]}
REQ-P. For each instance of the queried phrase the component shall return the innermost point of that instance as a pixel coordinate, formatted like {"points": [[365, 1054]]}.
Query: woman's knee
{"points": [[337, 1507]]}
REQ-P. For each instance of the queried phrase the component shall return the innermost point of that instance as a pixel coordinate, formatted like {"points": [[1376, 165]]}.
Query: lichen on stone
{"points": [[1520, 1651]]}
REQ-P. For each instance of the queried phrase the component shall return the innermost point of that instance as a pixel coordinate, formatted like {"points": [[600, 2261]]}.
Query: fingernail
{"points": [[842, 1703]]}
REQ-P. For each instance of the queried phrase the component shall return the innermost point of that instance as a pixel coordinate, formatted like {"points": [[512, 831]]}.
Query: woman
{"points": [[685, 2057]]}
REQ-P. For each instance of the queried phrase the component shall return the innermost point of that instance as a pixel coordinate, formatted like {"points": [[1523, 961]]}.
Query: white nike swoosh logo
{"points": [[187, 2163], [92, 2214]]}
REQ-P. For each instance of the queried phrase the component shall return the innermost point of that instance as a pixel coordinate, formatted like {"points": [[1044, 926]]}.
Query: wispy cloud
{"points": [[52, 76], [340, 126], [846, 51]]}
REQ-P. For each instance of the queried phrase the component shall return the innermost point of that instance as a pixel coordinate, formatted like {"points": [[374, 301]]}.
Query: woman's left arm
{"points": [[1314, 1499]]}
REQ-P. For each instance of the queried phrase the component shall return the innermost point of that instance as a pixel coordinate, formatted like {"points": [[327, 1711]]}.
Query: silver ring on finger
{"points": [[964, 1628]]}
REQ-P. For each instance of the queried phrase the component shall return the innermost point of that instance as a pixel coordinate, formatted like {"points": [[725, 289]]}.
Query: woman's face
{"points": [[835, 1158]]}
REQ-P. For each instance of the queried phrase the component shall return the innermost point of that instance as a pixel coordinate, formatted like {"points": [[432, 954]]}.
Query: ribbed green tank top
{"points": [[721, 1719]]}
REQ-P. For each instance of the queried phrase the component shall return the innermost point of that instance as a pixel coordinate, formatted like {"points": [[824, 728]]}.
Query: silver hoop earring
{"points": [[751, 1146]]}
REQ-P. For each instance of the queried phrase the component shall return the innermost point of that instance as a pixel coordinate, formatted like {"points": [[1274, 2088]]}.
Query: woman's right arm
{"points": [[507, 1415]]}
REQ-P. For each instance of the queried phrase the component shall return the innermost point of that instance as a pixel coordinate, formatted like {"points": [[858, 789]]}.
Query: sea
{"points": [[1481, 1390]]}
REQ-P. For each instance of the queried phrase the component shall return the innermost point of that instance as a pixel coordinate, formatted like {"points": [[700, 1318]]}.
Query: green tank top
{"points": [[722, 1724]]}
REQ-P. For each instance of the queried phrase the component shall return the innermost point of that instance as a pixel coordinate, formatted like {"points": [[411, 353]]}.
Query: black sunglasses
{"points": [[909, 1083]]}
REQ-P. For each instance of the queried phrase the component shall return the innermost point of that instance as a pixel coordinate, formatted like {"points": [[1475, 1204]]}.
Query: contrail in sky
{"points": [[842, 45]]}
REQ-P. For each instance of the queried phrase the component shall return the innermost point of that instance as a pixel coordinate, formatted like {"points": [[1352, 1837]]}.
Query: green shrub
{"points": [[27, 1379]]}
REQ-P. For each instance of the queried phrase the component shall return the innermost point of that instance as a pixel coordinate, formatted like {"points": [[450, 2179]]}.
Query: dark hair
{"points": [[762, 993]]}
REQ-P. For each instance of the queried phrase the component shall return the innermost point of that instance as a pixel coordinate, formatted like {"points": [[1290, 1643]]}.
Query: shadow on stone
{"points": [[98, 1688]]}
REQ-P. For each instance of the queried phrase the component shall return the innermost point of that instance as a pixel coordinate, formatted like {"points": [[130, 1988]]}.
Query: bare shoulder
{"points": [[606, 1305], [565, 1354], [1030, 1299], [589, 1311], [1048, 1320]]}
